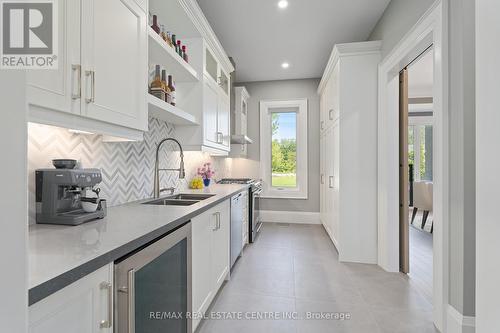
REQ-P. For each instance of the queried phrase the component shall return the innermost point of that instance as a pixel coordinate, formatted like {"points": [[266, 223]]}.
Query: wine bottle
{"points": [[165, 86], [184, 54], [155, 26], [171, 86], [174, 41], [179, 49], [157, 88]]}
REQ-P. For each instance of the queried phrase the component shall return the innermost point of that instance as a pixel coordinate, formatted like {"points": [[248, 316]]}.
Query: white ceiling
{"points": [[260, 36], [421, 76]]}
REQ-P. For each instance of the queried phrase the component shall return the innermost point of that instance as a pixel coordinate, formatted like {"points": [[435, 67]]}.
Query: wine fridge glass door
{"points": [[154, 287]]}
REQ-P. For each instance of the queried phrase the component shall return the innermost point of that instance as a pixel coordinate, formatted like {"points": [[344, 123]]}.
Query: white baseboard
{"points": [[458, 323], [289, 217]]}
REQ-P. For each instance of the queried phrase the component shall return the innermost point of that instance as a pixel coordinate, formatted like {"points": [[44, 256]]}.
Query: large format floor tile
{"points": [[292, 272]]}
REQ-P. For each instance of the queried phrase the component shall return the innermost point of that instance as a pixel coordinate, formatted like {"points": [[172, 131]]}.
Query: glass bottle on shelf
{"points": [[165, 86], [174, 41], [169, 38], [184, 54], [157, 87], [155, 26], [171, 86], [179, 49], [163, 33]]}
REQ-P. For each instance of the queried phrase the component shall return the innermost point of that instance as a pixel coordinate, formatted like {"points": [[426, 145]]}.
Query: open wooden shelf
{"points": [[160, 53], [169, 113]]}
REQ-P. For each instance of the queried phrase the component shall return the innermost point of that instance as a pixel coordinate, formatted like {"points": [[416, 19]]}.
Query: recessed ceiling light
{"points": [[285, 65], [283, 4]]}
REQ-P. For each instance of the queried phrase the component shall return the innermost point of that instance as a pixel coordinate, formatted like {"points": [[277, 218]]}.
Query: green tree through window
{"points": [[284, 149]]}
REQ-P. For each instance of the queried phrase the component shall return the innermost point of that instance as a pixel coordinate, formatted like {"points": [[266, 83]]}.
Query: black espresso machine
{"points": [[61, 198]]}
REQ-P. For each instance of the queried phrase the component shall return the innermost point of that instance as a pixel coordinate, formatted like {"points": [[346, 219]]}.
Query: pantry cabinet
{"points": [[85, 306], [348, 145], [95, 81], [210, 255]]}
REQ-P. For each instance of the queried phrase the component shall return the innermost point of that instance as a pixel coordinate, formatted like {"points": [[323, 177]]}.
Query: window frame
{"points": [[301, 190]]}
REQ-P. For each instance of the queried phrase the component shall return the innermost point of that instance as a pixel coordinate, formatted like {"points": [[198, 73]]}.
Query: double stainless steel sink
{"points": [[181, 199]]}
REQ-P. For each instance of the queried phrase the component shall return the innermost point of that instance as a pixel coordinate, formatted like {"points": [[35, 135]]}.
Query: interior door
{"points": [[59, 89], [115, 62], [404, 251]]}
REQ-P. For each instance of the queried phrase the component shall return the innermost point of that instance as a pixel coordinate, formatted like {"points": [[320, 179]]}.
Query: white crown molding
{"points": [[346, 50], [194, 12], [243, 91]]}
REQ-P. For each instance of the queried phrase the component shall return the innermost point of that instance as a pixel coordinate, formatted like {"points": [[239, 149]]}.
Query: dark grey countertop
{"points": [[60, 255]]}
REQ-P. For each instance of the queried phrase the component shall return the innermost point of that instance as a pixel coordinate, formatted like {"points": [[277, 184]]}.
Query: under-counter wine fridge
{"points": [[153, 286]]}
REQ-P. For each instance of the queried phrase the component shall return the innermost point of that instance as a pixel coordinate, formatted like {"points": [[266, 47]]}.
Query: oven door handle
{"points": [[257, 193]]}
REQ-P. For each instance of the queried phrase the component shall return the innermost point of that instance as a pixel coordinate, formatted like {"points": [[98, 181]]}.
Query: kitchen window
{"points": [[283, 148]]}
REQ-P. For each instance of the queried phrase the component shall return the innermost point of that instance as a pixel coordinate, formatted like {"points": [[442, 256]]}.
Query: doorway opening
{"points": [[416, 171]]}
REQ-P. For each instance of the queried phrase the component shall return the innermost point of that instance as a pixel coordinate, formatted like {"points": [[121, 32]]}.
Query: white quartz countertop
{"points": [[59, 255]]}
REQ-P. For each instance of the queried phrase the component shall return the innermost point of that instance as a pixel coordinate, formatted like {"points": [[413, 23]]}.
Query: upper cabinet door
{"points": [[60, 89], [223, 121], [210, 105], [115, 62]]}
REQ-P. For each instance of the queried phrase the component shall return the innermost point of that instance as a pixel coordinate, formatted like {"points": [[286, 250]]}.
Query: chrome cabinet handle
{"points": [[216, 221], [78, 93], [109, 322], [330, 181], [322, 124], [322, 179], [131, 300], [330, 114], [92, 86], [220, 137]]}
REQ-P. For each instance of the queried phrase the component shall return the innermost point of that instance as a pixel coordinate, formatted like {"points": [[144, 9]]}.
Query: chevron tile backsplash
{"points": [[127, 167]]}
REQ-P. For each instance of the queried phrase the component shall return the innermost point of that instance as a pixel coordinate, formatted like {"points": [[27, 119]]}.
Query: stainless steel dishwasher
{"points": [[236, 226]]}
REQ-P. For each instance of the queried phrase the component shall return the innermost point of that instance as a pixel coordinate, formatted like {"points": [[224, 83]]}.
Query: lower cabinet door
{"points": [[220, 244], [201, 233], [85, 306]]}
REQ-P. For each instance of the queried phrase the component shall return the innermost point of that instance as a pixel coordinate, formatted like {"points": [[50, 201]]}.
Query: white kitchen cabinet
{"points": [[210, 108], [59, 89], [223, 121], [210, 255], [96, 87], [220, 244], [115, 62], [214, 136], [85, 306], [348, 191], [239, 123]]}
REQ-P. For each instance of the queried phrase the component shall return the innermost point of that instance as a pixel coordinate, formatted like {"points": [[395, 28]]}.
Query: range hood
{"points": [[241, 139]]}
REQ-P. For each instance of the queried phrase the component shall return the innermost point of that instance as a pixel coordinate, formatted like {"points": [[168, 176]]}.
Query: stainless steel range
{"points": [[253, 205]]}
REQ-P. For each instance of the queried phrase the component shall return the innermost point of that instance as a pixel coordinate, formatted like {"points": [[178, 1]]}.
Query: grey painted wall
{"points": [[398, 18], [462, 155], [286, 89]]}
